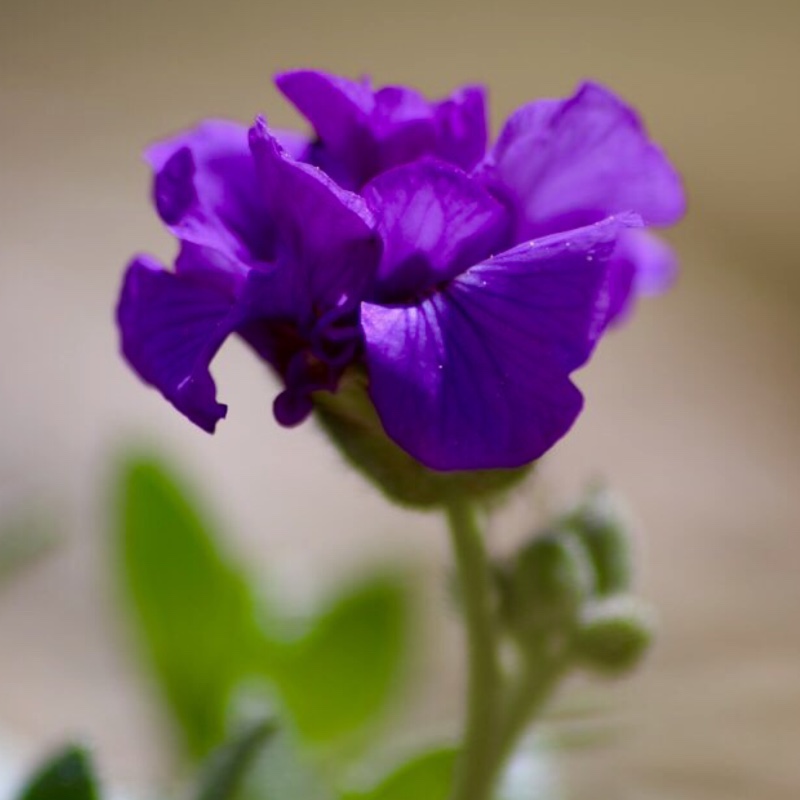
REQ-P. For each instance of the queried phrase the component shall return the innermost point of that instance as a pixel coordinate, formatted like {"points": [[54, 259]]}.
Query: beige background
{"points": [[692, 412]]}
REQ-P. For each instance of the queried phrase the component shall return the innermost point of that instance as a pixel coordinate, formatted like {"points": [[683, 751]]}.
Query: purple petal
{"points": [[462, 127], [435, 221], [339, 110], [566, 163], [477, 376], [327, 248], [206, 192], [171, 328], [656, 263], [333, 105], [363, 132], [642, 264], [403, 127]]}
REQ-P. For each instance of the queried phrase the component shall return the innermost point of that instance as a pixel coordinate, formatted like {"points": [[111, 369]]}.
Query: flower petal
{"points": [[561, 164], [641, 265], [206, 192], [435, 221], [334, 106], [462, 128], [326, 245], [339, 110], [364, 132], [477, 376], [171, 327]]}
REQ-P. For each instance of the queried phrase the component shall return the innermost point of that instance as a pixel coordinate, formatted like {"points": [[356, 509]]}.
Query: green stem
{"points": [[538, 679], [477, 764]]}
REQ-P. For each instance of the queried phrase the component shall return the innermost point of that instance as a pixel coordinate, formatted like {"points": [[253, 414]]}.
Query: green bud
{"points": [[350, 420], [600, 524], [546, 584], [613, 636]]}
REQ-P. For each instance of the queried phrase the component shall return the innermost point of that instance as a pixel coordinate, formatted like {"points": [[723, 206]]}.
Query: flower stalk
{"points": [[499, 707], [553, 601], [476, 768]]}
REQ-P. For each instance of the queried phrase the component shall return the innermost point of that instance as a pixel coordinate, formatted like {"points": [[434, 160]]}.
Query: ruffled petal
{"points": [[561, 164], [206, 192], [171, 327], [363, 132], [462, 127], [641, 265], [477, 376], [339, 110], [434, 221], [327, 250], [335, 106]]}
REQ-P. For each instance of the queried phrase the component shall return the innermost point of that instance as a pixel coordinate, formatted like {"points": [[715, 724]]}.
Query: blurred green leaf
{"points": [[65, 776], [428, 776], [193, 606], [228, 766], [340, 675], [283, 771]]}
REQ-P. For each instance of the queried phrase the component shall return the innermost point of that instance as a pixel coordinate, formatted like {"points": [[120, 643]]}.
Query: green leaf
{"points": [[340, 675], [192, 604], [428, 776], [227, 768], [283, 771], [66, 776]]}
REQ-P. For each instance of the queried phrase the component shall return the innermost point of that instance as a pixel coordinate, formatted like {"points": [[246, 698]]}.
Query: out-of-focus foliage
{"points": [[204, 637], [192, 605], [286, 771], [65, 776], [428, 775], [228, 765], [337, 677]]}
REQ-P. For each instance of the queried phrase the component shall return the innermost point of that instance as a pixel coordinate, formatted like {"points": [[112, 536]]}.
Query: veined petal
{"points": [[642, 264], [572, 162], [462, 128], [363, 132], [326, 244], [434, 221], [477, 375], [403, 126], [171, 327], [206, 192], [334, 106], [339, 110]]}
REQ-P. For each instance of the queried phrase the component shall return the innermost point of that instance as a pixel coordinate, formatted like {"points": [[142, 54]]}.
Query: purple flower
{"points": [[467, 285], [271, 249]]}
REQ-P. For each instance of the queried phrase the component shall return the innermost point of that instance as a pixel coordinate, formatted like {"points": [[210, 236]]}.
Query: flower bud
{"points": [[613, 636], [601, 525], [546, 584]]}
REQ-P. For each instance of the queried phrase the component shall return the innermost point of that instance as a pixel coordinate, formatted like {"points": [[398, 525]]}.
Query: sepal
{"points": [[352, 423]]}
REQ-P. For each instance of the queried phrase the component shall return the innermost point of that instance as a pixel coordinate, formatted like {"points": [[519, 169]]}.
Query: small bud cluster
{"points": [[566, 592]]}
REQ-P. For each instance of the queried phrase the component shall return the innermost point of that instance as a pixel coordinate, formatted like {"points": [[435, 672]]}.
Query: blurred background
{"points": [[692, 410]]}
